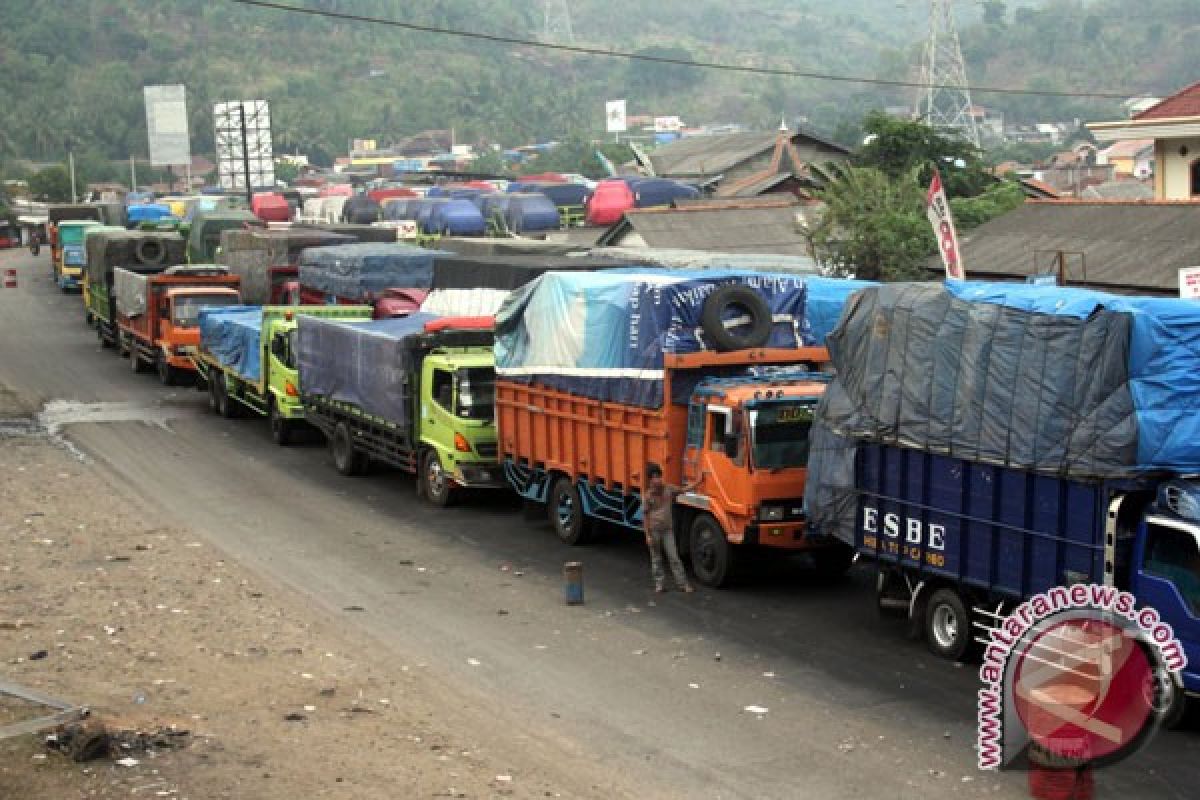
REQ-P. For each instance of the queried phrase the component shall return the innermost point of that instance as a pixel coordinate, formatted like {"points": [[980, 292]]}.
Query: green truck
{"points": [[246, 359], [414, 393], [105, 249]]}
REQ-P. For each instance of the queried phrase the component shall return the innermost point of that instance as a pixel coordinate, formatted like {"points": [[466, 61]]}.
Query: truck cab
{"points": [[67, 254], [457, 426], [179, 320], [747, 453]]}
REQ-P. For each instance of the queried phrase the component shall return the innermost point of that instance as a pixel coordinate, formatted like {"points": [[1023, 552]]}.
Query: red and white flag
{"points": [[937, 209]]}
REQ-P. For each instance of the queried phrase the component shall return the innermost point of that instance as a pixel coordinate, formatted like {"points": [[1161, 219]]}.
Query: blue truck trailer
{"points": [[985, 443], [960, 543]]}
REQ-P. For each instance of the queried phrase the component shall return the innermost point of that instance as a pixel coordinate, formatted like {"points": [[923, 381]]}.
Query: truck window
{"points": [[281, 347], [780, 435], [1172, 554], [442, 389], [187, 308], [476, 393], [695, 430]]}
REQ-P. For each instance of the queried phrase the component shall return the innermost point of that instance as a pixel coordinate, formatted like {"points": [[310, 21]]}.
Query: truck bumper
{"points": [[480, 476], [782, 535], [66, 281]]}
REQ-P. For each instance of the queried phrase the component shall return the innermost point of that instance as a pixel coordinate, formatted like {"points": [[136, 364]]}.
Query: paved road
{"points": [[652, 690]]}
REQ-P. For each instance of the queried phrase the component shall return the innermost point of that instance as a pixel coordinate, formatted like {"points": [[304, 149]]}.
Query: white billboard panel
{"points": [[243, 142], [167, 125]]}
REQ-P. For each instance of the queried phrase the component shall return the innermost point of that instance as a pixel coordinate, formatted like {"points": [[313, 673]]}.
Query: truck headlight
{"points": [[770, 513]]}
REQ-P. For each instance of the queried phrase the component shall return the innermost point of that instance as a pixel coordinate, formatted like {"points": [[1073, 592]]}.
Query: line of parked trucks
{"points": [[560, 379]]}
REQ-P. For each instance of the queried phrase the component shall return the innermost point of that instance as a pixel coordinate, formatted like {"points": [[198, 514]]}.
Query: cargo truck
{"points": [[362, 273], [158, 314], [413, 393], [247, 361], [713, 378], [67, 255], [139, 251], [982, 444], [268, 260]]}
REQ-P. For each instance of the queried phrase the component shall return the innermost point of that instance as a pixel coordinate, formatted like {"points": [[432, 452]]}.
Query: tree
{"points": [[658, 78], [897, 147], [52, 184], [994, 12], [491, 162], [286, 171], [873, 226]]}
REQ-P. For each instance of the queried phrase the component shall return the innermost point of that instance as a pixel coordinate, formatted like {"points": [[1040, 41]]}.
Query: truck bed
{"points": [[1008, 531]]}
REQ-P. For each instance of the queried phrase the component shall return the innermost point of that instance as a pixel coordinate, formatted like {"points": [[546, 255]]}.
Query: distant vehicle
{"points": [[531, 212], [67, 255], [609, 202], [271, 207]]}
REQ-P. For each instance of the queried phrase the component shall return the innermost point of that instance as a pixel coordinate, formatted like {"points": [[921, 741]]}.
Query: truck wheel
{"points": [[135, 357], [104, 342], [832, 561], [714, 559], [434, 482], [225, 405], [948, 625], [1169, 699], [88, 319], [565, 509], [346, 459], [166, 373], [214, 394], [281, 426]]}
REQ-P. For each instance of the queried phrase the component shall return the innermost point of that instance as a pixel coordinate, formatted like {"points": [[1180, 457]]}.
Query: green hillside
{"points": [[71, 71]]}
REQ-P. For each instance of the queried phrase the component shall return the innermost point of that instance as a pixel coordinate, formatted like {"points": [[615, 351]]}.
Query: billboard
{"points": [[167, 125], [1189, 283], [668, 125], [937, 209], [614, 116], [243, 140]]}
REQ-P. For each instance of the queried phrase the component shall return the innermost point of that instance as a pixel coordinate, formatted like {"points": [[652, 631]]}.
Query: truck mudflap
{"points": [[531, 484]]}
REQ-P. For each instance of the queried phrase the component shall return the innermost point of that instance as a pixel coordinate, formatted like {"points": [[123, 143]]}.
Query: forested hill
{"points": [[71, 71]]}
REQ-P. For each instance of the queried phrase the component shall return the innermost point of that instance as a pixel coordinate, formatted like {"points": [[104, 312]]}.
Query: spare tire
{"points": [[150, 251], [734, 301]]}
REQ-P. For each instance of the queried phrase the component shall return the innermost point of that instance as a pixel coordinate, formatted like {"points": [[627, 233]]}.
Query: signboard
{"points": [[167, 125], [1042, 280], [667, 124], [937, 209], [243, 140], [1189, 283], [614, 116]]}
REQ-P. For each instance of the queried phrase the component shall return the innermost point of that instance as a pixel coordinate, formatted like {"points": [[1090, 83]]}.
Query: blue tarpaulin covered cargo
{"points": [[364, 364], [603, 334], [360, 271], [232, 336]]}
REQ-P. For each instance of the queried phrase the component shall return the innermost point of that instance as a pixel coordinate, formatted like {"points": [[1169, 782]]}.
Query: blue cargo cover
{"points": [[530, 213], [364, 364], [147, 212], [457, 217], [650, 192], [360, 271], [232, 336], [603, 334]]}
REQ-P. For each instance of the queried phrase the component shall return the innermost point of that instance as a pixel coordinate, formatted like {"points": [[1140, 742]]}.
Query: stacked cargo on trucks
{"points": [[147, 252], [414, 393], [360, 274], [247, 361], [709, 375], [204, 235], [985, 443], [469, 285], [268, 261], [158, 315]]}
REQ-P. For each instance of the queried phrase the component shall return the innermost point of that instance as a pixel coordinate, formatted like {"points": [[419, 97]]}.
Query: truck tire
{"points": [[281, 427], [435, 484], [226, 406], [346, 459], [1169, 699], [166, 373], [736, 300], [832, 561], [948, 625], [135, 356], [214, 401], [88, 319], [714, 559], [565, 510], [150, 251]]}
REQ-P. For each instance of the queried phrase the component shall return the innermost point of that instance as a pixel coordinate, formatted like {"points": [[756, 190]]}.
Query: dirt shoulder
{"points": [[149, 626]]}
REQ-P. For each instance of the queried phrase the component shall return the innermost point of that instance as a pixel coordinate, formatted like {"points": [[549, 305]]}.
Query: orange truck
{"points": [[742, 440], [158, 314]]}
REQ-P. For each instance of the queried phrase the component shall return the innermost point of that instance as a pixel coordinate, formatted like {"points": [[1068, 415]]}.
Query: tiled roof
{"points": [[1184, 103]]}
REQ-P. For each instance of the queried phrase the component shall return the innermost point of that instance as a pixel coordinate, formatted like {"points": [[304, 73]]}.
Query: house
{"points": [[734, 157], [730, 227], [1174, 126], [1101, 244], [1130, 158]]}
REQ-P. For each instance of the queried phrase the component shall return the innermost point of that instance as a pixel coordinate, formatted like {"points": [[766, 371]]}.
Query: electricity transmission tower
{"points": [[944, 102], [556, 22]]}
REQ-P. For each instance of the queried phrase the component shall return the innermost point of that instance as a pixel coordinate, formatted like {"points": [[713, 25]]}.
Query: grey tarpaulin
{"points": [[917, 367], [250, 254], [130, 289], [360, 271], [108, 249]]}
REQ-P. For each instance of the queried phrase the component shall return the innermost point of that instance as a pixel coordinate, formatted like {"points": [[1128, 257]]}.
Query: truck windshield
{"points": [[781, 436], [186, 312], [476, 393], [1173, 554], [70, 235]]}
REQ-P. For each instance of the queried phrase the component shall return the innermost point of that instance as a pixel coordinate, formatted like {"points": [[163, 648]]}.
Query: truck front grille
{"points": [[486, 449]]}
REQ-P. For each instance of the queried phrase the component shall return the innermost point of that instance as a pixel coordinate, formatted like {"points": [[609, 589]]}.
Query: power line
{"points": [[684, 62]]}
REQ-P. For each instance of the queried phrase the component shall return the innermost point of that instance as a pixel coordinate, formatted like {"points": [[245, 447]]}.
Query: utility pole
{"points": [[556, 22], [71, 163], [944, 102], [132, 175], [246, 156]]}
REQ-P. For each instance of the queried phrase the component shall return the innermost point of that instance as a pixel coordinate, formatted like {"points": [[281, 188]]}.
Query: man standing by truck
{"points": [[657, 500]]}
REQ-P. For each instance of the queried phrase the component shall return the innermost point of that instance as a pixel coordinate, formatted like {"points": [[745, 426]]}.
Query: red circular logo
{"points": [[1083, 688]]}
